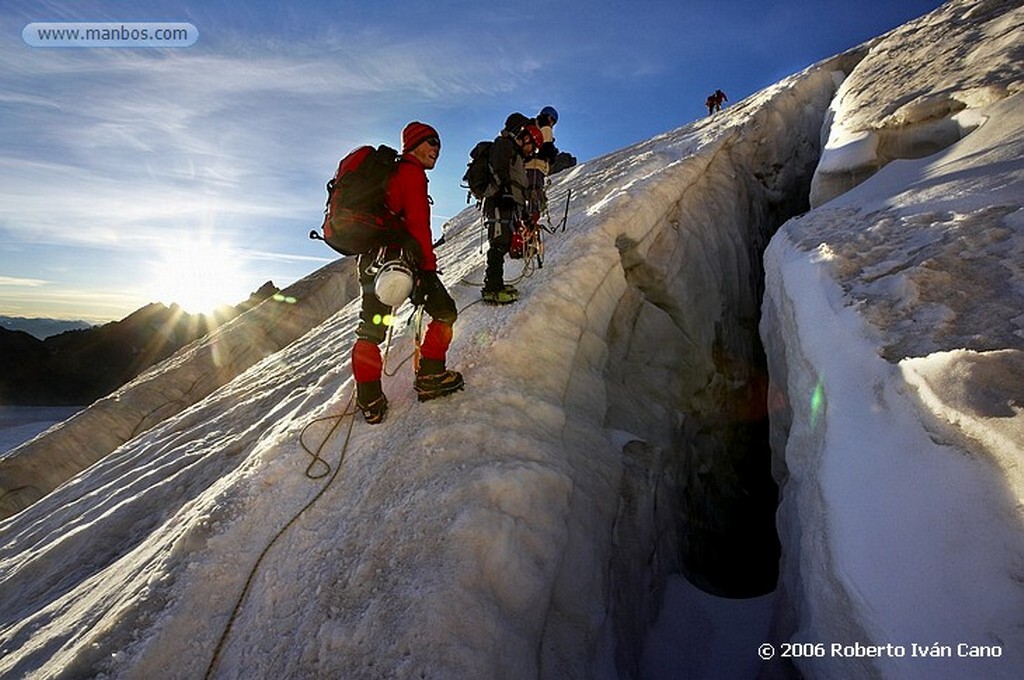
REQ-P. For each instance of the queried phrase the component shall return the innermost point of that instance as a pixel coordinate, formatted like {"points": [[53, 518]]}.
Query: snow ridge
{"points": [[524, 527], [35, 468], [893, 329], [472, 537]]}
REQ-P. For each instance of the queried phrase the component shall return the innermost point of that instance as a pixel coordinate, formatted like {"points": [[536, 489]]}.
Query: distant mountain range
{"points": [[80, 365], [41, 328]]}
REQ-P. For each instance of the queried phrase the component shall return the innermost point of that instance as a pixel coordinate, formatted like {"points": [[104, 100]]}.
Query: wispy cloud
{"points": [[124, 152], [93, 305], [14, 281], [117, 152], [121, 140]]}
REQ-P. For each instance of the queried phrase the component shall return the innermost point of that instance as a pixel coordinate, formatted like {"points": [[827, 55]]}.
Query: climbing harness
{"points": [[532, 248]]}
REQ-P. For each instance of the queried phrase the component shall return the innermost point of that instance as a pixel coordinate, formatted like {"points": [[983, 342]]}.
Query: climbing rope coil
{"points": [[319, 468], [394, 285]]}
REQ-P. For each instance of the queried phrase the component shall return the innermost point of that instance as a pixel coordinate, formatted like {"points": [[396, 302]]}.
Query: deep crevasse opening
{"points": [[699, 495]]}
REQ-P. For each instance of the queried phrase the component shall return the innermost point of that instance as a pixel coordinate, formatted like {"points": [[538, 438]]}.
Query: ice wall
{"points": [[674, 228], [894, 337], [520, 529], [919, 91]]}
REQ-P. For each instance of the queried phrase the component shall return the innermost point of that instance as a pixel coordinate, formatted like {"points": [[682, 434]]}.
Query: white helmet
{"points": [[393, 283]]}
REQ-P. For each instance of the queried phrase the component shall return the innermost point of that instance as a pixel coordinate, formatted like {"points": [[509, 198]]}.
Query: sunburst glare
{"points": [[198, 274]]}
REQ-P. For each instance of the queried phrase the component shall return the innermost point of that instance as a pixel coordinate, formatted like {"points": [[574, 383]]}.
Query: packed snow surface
{"points": [[262, 532], [894, 328]]}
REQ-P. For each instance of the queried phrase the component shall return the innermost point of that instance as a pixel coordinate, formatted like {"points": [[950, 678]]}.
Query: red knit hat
{"points": [[416, 133]]}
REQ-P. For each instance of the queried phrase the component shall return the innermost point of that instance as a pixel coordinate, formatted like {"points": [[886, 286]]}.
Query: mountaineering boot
{"points": [[371, 401], [375, 411], [434, 381], [500, 296], [438, 384]]}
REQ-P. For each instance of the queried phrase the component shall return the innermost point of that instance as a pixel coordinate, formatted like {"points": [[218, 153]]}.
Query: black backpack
{"points": [[480, 178], [356, 220], [561, 162]]}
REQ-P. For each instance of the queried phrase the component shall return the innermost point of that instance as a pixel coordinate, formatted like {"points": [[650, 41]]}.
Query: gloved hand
{"points": [[426, 283]]}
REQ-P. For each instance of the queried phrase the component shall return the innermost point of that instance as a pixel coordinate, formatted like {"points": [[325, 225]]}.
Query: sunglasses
{"points": [[434, 142]]}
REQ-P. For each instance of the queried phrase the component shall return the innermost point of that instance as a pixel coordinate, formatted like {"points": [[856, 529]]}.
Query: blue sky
{"points": [[135, 175]]}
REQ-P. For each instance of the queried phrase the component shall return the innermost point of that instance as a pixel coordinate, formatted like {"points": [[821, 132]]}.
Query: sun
{"points": [[199, 275]]}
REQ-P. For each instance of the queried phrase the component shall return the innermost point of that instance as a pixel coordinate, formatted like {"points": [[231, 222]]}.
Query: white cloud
{"points": [[15, 281], [125, 141]]}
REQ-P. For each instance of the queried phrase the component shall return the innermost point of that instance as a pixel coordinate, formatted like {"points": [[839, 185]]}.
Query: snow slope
{"points": [[506, 531], [923, 88], [525, 527], [894, 330], [18, 424], [37, 467]]}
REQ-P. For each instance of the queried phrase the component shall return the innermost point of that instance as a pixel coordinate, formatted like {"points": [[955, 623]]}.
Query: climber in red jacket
{"points": [[408, 200]]}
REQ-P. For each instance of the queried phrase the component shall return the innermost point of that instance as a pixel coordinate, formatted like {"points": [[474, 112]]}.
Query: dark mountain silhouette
{"points": [[80, 366], [40, 327]]}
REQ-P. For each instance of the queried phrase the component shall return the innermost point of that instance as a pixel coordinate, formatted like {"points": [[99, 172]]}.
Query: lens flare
{"points": [[817, 402]]}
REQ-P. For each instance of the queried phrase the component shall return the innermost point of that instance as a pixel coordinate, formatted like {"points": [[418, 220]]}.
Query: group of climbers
{"points": [[520, 158], [512, 198]]}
